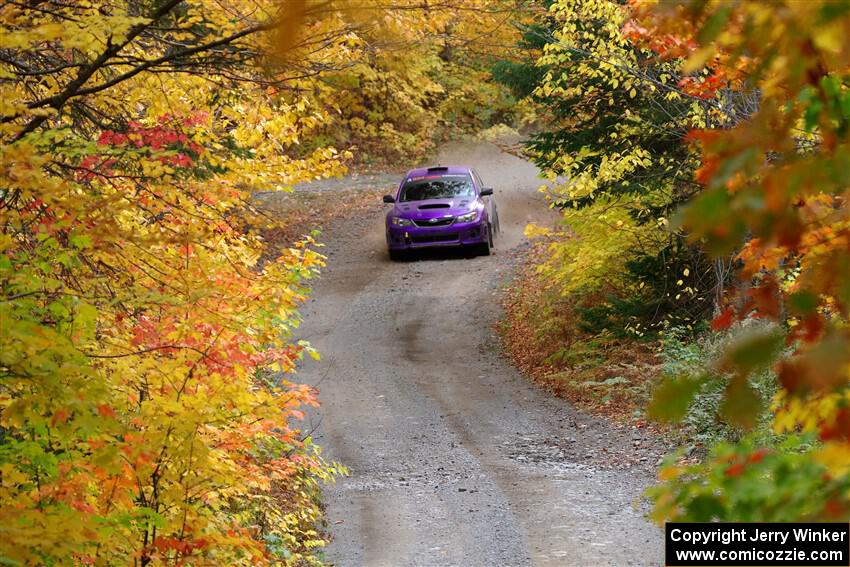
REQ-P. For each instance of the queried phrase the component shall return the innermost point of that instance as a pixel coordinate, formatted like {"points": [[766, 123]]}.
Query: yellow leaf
{"points": [[835, 457], [533, 230], [698, 59]]}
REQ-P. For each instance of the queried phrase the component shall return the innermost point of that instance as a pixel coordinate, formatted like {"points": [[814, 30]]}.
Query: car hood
{"points": [[435, 208]]}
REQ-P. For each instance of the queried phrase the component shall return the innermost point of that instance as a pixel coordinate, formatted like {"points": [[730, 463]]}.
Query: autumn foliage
{"points": [[700, 156], [145, 416], [776, 197], [147, 413]]}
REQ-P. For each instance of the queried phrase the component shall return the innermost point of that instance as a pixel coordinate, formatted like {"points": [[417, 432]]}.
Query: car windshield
{"points": [[437, 187]]}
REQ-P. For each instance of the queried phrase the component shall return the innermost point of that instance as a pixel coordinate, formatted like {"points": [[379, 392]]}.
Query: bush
{"points": [[681, 355]]}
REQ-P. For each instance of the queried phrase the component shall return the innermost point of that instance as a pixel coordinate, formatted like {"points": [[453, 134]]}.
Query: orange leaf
{"points": [[105, 410], [60, 416]]}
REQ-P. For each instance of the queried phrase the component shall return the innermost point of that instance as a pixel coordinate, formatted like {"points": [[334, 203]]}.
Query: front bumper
{"points": [[457, 234]]}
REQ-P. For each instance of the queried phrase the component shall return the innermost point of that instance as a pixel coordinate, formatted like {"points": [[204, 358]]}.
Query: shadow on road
{"points": [[435, 254]]}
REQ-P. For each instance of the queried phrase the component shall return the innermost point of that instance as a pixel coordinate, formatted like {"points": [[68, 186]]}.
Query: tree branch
{"points": [[84, 74]]}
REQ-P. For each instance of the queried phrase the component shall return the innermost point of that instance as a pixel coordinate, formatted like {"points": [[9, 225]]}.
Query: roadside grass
{"points": [[615, 377], [682, 355], [601, 374]]}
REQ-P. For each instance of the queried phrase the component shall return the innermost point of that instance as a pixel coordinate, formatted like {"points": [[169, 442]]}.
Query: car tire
{"points": [[484, 247], [398, 255]]}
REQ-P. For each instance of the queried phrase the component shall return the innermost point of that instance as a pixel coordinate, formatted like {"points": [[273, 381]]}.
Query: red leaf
{"points": [[834, 509], [766, 299], [735, 470], [809, 328], [757, 456], [839, 429], [791, 377], [724, 320]]}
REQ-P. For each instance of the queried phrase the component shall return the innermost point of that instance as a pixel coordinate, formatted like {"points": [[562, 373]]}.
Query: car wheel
{"points": [[484, 247], [398, 255]]}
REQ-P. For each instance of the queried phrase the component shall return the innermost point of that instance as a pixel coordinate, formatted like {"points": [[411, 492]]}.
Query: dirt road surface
{"points": [[455, 458]]}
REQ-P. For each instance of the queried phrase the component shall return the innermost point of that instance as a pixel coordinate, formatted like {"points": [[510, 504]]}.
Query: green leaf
{"points": [[714, 24], [671, 399], [85, 318], [753, 350], [58, 310], [810, 118], [802, 302], [705, 508], [742, 405], [80, 240]]}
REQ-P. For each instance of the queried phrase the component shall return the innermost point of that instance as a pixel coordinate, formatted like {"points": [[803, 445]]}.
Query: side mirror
{"points": [[389, 199], [486, 191]]}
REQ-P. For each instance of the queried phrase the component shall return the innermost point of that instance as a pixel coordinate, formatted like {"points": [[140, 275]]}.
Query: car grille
{"points": [[446, 237], [441, 222]]}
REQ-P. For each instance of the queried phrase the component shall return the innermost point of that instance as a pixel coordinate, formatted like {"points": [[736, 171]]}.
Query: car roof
{"points": [[438, 169]]}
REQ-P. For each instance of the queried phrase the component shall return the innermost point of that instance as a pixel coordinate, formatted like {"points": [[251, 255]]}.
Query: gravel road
{"points": [[455, 458]]}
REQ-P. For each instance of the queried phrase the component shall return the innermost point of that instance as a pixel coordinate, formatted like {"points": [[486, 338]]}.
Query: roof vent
{"points": [[438, 168]]}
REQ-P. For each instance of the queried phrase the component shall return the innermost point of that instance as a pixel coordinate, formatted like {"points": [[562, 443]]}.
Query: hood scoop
{"points": [[434, 206]]}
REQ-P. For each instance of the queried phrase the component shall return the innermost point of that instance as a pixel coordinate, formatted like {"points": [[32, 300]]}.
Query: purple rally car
{"points": [[441, 206]]}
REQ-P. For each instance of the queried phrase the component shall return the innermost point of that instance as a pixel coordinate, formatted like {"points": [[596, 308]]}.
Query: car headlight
{"points": [[468, 217], [398, 221]]}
